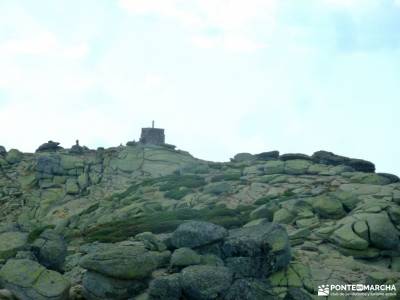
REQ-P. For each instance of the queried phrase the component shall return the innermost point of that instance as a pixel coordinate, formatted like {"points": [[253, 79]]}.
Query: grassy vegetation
{"points": [[173, 182], [226, 177], [177, 193], [35, 233], [165, 221], [176, 186]]}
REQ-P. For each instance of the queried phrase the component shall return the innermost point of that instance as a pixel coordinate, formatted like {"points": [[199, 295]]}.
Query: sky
{"points": [[221, 76]]}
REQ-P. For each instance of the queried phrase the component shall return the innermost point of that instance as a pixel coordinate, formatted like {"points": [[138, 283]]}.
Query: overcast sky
{"points": [[221, 76]]}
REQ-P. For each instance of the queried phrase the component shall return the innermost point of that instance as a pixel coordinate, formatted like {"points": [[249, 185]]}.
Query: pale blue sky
{"points": [[222, 76]]}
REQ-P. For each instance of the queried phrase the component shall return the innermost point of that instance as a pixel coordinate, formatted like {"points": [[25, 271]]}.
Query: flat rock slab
{"points": [[124, 262], [11, 242], [29, 280]]}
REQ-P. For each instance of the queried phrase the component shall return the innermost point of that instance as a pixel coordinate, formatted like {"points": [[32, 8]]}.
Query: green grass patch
{"points": [[177, 193], [177, 181], [226, 177], [35, 233], [172, 183], [166, 221]]}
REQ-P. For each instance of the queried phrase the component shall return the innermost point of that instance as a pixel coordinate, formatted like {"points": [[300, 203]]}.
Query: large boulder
{"points": [[382, 232], [274, 167], [125, 262], [166, 288], [347, 238], [29, 280], [329, 158], [361, 165], [49, 165], [197, 233], [205, 282], [270, 155], [328, 207], [13, 156], [296, 166], [257, 251], [50, 249], [11, 243], [50, 146], [101, 287]]}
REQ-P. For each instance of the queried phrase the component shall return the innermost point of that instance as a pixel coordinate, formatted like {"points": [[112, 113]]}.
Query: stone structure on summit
{"points": [[153, 136]]}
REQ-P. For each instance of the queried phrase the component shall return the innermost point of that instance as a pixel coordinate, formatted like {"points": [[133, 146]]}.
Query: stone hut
{"points": [[153, 136]]}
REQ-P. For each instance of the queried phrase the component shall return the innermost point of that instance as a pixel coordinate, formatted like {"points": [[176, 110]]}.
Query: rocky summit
{"points": [[147, 221]]}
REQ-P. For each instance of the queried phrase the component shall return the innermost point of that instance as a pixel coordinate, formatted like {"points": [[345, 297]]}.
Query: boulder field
{"points": [[144, 222]]}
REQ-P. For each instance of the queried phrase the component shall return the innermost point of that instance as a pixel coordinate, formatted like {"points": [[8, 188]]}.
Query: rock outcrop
{"points": [[146, 221]]}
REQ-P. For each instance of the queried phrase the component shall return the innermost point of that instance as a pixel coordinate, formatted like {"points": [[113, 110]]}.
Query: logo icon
{"points": [[323, 290]]}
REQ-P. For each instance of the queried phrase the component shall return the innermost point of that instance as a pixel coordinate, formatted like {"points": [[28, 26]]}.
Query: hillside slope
{"points": [[68, 211]]}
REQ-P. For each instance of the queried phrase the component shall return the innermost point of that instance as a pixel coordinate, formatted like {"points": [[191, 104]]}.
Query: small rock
{"points": [[184, 257]]}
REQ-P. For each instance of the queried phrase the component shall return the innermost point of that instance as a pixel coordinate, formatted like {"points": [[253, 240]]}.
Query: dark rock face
{"points": [[50, 146], [393, 178], [49, 165], [166, 288], [257, 251], [50, 249], [329, 158], [292, 156], [361, 165], [270, 155], [194, 234]]}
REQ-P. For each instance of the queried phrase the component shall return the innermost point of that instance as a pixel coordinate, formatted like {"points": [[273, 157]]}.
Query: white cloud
{"points": [[234, 43], [233, 18]]}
